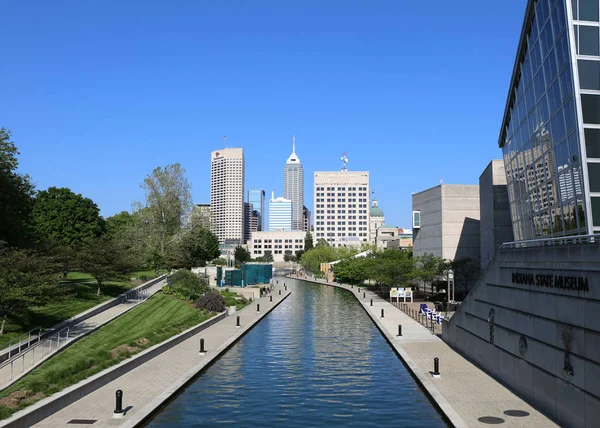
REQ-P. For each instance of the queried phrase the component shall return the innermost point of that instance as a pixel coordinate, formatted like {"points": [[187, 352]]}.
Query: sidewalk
{"points": [[37, 354], [146, 387], [464, 392]]}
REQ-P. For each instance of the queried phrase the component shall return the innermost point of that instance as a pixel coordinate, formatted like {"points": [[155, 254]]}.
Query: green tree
{"points": [[105, 260], [242, 255], [118, 225], [311, 260], [288, 256], [268, 257], [66, 218], [194, 247], [26, 279], [466, 270], [322, 243], [186, 285], [428, 268], [166, 208], [308, 241], [16, 195]]}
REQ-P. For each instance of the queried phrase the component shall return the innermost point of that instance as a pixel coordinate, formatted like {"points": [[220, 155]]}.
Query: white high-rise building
{"points": [[280, 213], [227, 194], [293, 187], [341, 210]]}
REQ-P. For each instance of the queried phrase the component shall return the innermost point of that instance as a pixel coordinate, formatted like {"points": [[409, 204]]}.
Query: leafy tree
{"points": [[167, 206], [429, 268], [268, 257], [298, 255], [322, 243], [465, 270], [308, 241], [16, 195], [212, 302], [104, 260], [66, 218], [26, 279], [311, 260], [287, 257], [194, 247], [118, 225], [242, 255], [220, 262]]}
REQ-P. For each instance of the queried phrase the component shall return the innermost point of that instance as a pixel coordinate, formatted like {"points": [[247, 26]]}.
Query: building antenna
{"points": [[293, 144], [344, 159]]}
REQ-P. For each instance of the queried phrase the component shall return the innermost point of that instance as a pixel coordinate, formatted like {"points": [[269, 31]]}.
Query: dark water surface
{"points": [[315, 360]]}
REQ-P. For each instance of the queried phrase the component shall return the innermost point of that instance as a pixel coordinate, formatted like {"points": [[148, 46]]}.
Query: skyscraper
{"points": [[293, 187], [280, 213], [227, 194], [256, 197], [342, 207]]}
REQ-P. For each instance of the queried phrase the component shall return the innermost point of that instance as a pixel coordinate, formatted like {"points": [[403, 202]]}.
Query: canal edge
{"points": [[435, 396], [150, 409]]}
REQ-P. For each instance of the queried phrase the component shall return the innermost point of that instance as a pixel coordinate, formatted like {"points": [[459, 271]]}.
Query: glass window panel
{"points": [[542, 9], [562, 51], [543, 110], [589, 40], [566, 83], [554, 98], [558, 127], [573, 146], [574, 8], [594, 174], [559, 18], [562, 156], [546, 40], [592, 143], [570, 116], [589, 74], [550, 68], [596, 211], [536, 59], [581, 216], [576, 32], [538, 85], [591, 108], [588, 10]]}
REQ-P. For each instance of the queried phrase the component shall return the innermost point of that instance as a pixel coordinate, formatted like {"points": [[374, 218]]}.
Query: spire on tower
{"points": [[293, 144]]}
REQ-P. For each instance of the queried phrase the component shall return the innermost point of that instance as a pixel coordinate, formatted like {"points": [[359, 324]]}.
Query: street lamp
{"points": [[451, 286]]}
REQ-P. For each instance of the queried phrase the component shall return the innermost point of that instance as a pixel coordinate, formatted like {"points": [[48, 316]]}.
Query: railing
{"points": [[20, 341], [44, 347], [552, 242]]}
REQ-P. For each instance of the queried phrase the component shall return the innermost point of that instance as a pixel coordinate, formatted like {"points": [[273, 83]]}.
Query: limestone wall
{"points": [[533, 322]]}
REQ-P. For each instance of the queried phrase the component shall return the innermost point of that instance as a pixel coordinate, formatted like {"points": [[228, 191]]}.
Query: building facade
{"points": [[495, 224], [256, 197], [550, 134], [446, 222], [277, 243], [280, 214], [293, 187], [376, 219], [306, 219], [248, 210], [341, 207], [227, 194]]}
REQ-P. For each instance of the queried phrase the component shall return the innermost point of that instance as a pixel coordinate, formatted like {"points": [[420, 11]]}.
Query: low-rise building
{"points": [[276, 242]]}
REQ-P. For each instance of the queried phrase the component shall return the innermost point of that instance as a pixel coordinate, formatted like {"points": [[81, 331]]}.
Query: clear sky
{"points": [[98, 93]]}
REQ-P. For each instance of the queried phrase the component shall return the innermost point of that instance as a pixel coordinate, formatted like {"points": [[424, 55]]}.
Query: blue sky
{"points": [[97, 94]]}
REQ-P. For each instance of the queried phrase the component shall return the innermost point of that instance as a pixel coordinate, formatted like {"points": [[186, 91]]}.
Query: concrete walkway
{"points": [[146, 387], [464, 392], [38, 353]]}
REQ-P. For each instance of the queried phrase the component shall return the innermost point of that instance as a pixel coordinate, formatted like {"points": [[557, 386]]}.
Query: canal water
{"points": [[315, 360]]}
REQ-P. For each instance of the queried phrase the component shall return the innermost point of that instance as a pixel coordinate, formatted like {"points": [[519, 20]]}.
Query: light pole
{"points": [[451, 286]]}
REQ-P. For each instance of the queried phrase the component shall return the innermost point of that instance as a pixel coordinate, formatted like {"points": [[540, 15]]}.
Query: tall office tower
{"points": [[293, 187], [550, 136], [247, 221], [342, 207], [227, 195], [306, 219], [280, 213], [257, 198]]}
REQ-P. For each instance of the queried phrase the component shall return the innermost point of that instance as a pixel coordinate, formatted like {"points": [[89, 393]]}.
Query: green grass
{"points": [[234, 299], [84, 297], [152, 322]]}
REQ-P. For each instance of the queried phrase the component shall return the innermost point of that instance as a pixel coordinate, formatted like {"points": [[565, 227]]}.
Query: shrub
{"points": [[144, 277], [186, 285], [212, 302]]}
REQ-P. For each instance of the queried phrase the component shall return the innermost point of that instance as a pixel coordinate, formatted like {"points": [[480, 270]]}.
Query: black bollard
{"points": [[285, 287], [371, 302], [399, 330], [436, 367], [280, 292], [238, 322], [257, 308], [202, 350], [382, 313], [270, 298], [352, 286], [119, 404], [359, 289], [364, 295], [277, 281]]}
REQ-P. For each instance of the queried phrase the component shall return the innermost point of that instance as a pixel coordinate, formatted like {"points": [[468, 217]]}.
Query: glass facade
{"points": [[540, 137]]}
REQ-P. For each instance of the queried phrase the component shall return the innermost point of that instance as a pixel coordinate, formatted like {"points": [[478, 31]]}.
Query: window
{"points": [[591, 108], [588, 40], [416, 219]]}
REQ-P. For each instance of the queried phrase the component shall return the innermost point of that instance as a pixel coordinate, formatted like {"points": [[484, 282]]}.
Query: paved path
{"points": [[147, 386], [464, 392], [36, 355]]}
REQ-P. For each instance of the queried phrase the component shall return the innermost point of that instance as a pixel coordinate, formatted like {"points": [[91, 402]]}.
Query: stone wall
{"points": [[537, 330]]}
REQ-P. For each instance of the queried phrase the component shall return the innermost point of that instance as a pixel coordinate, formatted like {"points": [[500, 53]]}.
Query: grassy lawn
{"points": [[154, 321], [84, 297]]}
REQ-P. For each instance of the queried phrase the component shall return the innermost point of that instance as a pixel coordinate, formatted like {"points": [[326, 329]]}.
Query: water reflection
{"points": [[316, 360]]}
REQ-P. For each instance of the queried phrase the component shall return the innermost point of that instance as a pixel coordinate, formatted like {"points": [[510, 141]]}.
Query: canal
{"points": [[315, 360]]}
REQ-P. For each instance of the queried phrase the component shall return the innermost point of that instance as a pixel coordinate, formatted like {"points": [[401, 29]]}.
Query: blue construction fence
{"points": [[249, 274]]}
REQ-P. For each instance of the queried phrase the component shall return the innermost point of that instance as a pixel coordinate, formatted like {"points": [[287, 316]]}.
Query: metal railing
{"points": [[20, 342], [37, 351], [553, 242]]}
